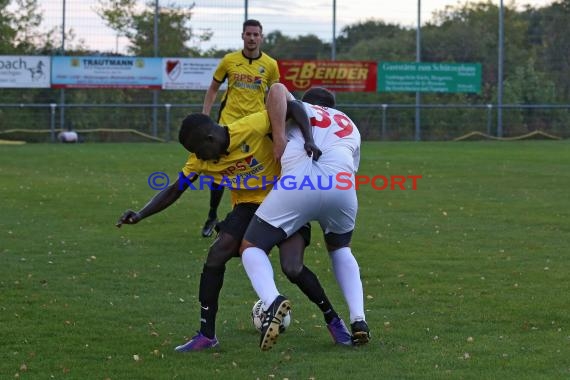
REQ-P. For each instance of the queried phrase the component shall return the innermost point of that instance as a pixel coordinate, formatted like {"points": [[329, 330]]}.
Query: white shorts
{"points": [[290, 207]]}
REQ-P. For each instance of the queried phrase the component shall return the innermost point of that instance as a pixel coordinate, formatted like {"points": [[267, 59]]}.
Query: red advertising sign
{"points": [[354, 76]]}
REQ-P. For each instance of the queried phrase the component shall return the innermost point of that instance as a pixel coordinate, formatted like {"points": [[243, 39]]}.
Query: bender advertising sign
{"points": [[429, 77], [358, 76], [18, 71], [106, 72]]}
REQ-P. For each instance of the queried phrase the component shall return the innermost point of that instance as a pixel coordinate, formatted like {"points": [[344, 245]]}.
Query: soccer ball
{"points": [[257, 316]]}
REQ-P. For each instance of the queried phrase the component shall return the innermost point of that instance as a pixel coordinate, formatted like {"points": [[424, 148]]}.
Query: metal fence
{"points": [[379, 122], [39, 116]]}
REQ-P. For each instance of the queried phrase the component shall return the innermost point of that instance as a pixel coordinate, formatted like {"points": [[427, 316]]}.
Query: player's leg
{"points": [[347, 274], [338, 221], [276, 218], [216, 194], [274, 221], [291, 257], [221, 251], [258, 240], [291, 254]]}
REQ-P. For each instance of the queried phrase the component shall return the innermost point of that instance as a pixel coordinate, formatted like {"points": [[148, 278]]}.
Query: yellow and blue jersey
{"points": [[250, 168], [248, 81]]}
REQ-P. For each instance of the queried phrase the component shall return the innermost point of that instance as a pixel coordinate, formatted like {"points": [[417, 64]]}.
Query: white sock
{"points": [[260, 273], [347, 275]]}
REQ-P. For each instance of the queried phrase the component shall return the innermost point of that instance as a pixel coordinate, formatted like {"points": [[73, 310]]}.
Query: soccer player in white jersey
{"points": [[317, 196]]}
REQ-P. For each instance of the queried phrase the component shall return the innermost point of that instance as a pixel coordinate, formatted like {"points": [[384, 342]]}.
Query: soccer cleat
{"points": [[197, 343], [270, 327], [360, 333], [339, 332], [209, 227]]}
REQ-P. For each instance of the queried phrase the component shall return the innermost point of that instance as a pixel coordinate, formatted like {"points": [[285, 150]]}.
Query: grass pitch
{"points": [[465, 277]]}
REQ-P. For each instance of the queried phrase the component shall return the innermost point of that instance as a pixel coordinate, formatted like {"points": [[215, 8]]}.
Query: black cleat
{"points": [[209, 227], [360, 333], [270, 327]]}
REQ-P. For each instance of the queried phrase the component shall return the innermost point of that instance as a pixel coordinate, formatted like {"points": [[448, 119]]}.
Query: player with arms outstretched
{"points": [[241, 157]]}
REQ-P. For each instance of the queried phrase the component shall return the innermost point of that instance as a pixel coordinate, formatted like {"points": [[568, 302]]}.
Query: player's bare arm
{"points": [[296, 112], [210, 97], [158, 203], [280, 108], [276, 105]]}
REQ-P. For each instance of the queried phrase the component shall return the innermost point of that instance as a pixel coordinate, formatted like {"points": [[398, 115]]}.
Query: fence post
{"points": [[167, 107], [384, 107], [52, 121], [489, 115]]}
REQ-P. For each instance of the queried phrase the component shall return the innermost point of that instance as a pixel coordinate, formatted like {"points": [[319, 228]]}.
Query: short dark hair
{"points": [[194, 129], [252, 22], [319, 96]]}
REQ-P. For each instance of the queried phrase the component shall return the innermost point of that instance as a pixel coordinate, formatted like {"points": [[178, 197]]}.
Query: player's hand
{"points": [[279, 149], [313, 151], [128, 217]]}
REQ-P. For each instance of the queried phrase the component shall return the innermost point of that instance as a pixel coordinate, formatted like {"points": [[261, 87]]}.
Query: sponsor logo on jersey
{"points": [[242, 80], [251, 161], [242, 167]]}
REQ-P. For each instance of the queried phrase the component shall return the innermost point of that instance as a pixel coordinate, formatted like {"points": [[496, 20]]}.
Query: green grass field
{"points": [[466, 277]]}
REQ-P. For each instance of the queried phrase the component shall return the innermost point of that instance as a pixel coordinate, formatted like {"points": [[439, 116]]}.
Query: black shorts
{"points": [[237, 220], [263, 235]]}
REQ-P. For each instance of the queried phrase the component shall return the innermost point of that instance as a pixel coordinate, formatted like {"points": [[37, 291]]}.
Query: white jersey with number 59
{"points": [[334, 133], [316, 196]]}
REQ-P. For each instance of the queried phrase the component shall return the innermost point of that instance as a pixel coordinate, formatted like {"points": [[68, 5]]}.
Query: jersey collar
{"points": [[251, 59]]}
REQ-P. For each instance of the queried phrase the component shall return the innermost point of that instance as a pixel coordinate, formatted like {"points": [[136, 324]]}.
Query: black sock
{"points": [[309, 284], [211, 281], [215, 199]]}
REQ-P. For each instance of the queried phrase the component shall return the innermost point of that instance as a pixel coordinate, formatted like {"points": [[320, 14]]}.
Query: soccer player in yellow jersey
{"points": [[249, 74], [239, 156]]}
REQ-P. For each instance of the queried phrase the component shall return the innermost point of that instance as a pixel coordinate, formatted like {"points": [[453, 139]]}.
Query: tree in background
{"points": [[19, 28], [555, 46], [527, 86], [302, 47], [174, 31], [469, 33], [376, 40], [20, 33], [537, 59], [7, 30]]}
